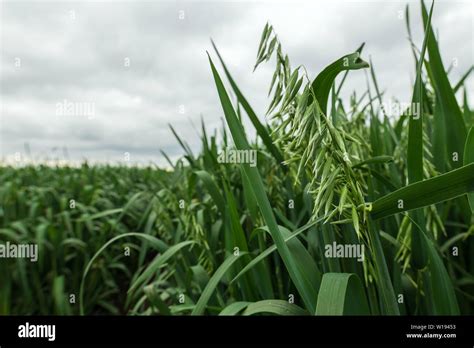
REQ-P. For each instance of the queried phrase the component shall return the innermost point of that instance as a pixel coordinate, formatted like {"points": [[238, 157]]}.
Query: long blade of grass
{"points": [[442, 297], [422, 193], [415, 123], [469, 158], [272, 248], [454, 123], [213, 190], [213, 282], [261, 130], [309, 297], [342, 294], [462, 79], [415, 149]]}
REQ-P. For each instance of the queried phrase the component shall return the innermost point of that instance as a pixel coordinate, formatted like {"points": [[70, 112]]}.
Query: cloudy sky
{"points": [[105, 78]]}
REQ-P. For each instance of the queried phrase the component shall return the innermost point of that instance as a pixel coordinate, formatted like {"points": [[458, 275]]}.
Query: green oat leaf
{"points": [[441, 295], [374, 160], [469, 158], [415, 122], [213, 282], [453, 118], [422, 193], [213, 190], [342, 294], [234, 308], [157, 243], [272, 248], [323, 82], [159, 261], [278, 307]]}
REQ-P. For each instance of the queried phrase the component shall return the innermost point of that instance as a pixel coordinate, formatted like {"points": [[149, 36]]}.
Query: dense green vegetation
{"points": [[207, 237]]}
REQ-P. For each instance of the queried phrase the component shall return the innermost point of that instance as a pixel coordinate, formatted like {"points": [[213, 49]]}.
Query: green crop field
{"points": [[334, 208]]}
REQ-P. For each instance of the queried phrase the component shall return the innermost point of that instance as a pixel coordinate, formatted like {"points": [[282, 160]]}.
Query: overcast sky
{"points": [[139, 65]]}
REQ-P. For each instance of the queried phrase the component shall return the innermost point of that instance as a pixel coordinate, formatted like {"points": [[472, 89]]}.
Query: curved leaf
{"points": [[342, 294], [272, 248], [279, 307], [157, 263], [422, 193], [158, 244], [213, 282], [324, 81]]}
